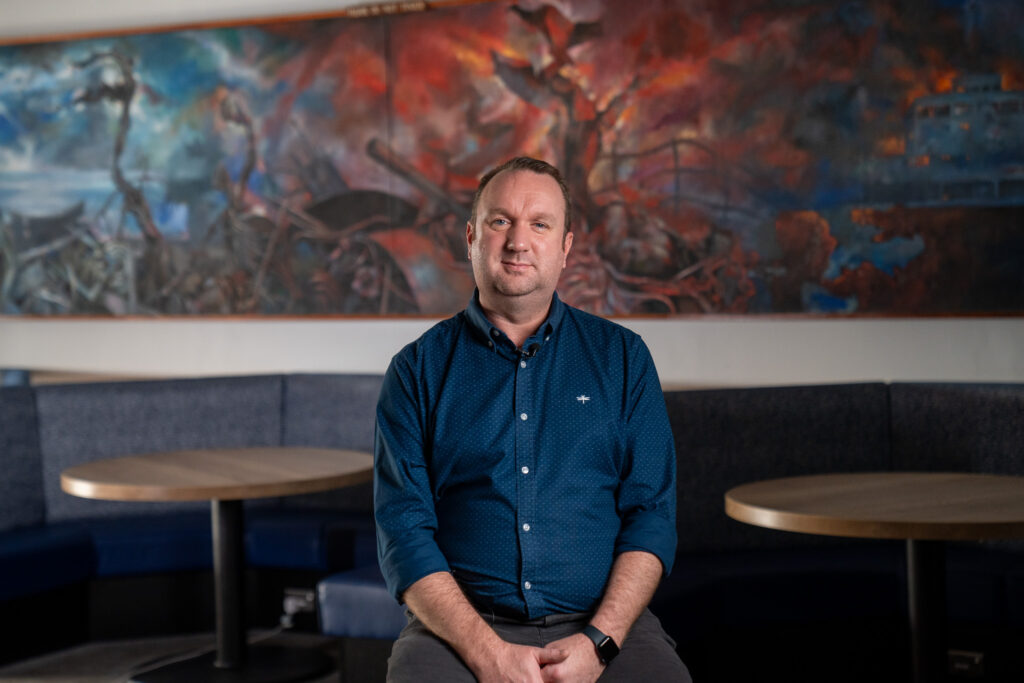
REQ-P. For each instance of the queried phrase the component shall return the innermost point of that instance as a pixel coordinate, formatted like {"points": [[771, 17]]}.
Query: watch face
{"points": [[608, 649]]}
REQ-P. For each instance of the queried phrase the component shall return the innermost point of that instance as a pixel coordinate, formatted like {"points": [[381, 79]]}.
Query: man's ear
{"points": [[469, 240]]}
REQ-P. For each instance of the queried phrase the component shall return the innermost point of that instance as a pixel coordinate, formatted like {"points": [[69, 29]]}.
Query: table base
{"points": [[263, 664], [926, 590]]}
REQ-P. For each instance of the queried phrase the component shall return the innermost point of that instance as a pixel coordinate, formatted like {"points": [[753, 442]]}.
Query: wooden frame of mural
{"points": [[723, 158]]}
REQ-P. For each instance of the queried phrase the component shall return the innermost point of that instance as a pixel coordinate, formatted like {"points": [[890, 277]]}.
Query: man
{"points": [[524, 481]]}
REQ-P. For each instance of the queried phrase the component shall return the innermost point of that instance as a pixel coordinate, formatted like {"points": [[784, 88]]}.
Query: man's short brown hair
{"points": [[525, 164]]}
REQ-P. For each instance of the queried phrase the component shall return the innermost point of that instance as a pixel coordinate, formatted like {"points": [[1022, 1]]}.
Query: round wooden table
{"points": [[225, 477], [923, 508]]}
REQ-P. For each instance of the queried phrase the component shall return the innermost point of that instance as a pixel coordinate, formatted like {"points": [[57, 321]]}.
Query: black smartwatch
{"points": [[607, 650]]}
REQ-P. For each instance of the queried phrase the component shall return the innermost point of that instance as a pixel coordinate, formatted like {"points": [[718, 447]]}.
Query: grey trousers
{"points": [[648, 654]]}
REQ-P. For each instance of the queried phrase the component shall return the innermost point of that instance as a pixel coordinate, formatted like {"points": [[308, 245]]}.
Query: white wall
{"points": [[689, 351]]}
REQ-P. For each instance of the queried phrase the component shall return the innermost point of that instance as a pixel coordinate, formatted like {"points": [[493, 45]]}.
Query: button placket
{"points": [[526, 487]]}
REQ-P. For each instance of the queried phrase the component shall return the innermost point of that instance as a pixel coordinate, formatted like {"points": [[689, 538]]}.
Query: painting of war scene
{"points": [[724, 157]]}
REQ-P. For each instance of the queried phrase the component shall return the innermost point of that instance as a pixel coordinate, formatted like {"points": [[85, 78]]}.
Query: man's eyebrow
{"points": [[542, 215]]}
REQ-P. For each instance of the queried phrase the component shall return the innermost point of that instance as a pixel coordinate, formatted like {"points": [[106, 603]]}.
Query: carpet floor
{"points": [[119, 661]]}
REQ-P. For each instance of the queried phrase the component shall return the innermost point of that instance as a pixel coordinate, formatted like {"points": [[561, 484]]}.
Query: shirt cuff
{"points": [[405, 563], [649, 532]]}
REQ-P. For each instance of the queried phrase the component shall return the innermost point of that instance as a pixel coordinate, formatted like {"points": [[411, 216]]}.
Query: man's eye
{"points": [[499, 222]]}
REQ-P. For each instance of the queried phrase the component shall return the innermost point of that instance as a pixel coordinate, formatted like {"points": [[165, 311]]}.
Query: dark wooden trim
{"points": [[354, 12]]}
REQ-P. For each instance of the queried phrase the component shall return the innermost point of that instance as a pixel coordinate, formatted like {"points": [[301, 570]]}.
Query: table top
{"points": [[221, 474], [905, 505]]}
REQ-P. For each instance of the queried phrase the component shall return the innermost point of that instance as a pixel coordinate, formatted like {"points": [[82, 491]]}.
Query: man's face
{"points": [[518, 246]]}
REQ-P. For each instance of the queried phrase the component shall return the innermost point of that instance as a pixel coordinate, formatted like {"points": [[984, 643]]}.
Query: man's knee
{"points": [[418, 656], [648, 654]]}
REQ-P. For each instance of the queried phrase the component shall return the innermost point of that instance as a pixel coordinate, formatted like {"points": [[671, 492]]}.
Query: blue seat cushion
{"points": [[323, 540], [861, 579], [150, 544], [309, 538], [37, 559], [356, 604], [984, 582], [1015, 594]]}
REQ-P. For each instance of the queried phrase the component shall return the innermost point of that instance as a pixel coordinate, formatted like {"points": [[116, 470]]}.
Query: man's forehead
{"points": [[520, 176], [525, 185]]}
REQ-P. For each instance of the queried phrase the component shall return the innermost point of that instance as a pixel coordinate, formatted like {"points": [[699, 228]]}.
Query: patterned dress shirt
{"points": [[523, 472]]}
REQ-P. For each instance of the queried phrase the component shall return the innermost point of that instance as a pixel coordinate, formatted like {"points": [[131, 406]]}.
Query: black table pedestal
{"points": [[926, 588], [234, 661]]}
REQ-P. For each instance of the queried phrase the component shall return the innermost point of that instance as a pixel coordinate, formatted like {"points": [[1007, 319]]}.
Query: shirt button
{"points": [[522, 363], [527, 585], [526, 527], [495, 333], [525, 470], [522, 417]]}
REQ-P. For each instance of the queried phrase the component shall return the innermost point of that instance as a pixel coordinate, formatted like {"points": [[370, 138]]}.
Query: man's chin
{"points": [[514, 289], [512, 293], [514, 285]]}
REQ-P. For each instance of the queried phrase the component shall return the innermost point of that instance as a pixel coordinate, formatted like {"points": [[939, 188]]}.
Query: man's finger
{"points": [[551, 655]]}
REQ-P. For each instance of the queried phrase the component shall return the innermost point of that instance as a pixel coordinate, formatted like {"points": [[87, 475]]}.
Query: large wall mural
{"points": [[725, 157]]}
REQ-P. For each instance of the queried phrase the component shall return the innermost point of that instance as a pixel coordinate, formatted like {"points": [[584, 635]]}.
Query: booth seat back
{"points": [[958, 427], [333, 529], [80, 423], [332, 411], [968, 427], [727, 437], [21, 485]]}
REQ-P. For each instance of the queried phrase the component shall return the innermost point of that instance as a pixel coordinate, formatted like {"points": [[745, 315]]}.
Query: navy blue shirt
{"points": [[522, 472]]}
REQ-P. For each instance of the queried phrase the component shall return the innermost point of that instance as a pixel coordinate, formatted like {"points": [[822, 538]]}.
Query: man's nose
{"points": [[517, 237]]}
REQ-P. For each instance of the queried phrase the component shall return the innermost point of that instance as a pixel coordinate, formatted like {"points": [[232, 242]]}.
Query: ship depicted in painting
{"points": [[964, 147], [947, 212]]}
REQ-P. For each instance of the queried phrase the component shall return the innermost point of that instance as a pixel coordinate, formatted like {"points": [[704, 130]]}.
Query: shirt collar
{"points": [[486, 329]]}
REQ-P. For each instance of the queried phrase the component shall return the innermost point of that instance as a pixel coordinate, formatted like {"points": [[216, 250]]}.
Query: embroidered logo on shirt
{"points": [[583, 399]]}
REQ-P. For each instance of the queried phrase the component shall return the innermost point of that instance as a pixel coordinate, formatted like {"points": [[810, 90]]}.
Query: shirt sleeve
{"points": [[402, 498], [647, 494]]}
